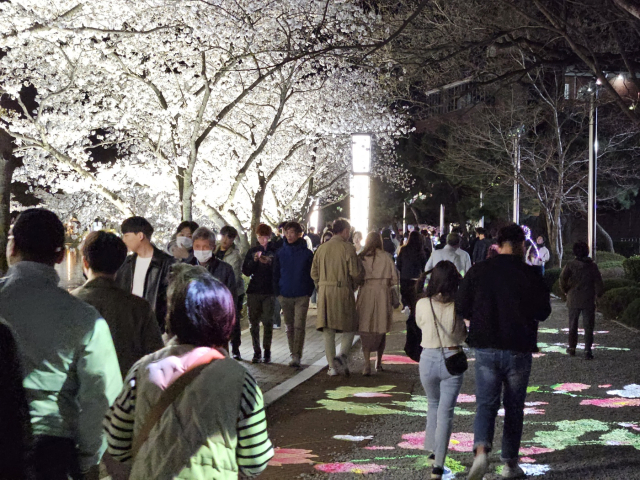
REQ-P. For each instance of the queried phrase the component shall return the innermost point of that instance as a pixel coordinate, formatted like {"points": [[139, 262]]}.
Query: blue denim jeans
{"points": [[442, 391], [496, 369]]}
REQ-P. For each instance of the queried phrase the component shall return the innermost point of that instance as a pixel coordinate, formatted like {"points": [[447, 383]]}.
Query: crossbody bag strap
{"points": [[167, 397], [435, 322]]}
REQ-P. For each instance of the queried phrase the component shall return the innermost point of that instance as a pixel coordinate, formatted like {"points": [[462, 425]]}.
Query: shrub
{"points": [[632, 268], [551, 275], [611, 283], [631, 315], [557, 291], [606, 257], [613, 272], [615, 301]]}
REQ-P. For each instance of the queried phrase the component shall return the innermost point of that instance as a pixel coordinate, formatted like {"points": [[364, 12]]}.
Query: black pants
{"points": [[235, 334], [55, 458], [588, 322], [408, 292]]}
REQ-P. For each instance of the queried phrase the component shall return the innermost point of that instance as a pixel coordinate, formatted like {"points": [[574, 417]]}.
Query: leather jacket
{"points": [[155, 284]]}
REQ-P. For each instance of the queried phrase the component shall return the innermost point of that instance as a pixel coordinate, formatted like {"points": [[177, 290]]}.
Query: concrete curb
{"points": [[626, 326]]}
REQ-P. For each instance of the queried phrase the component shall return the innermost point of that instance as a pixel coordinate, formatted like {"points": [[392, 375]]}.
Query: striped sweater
{"points": [[254, 448]]}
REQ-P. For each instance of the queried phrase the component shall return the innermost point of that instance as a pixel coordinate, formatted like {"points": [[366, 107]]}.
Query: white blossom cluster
{"points": [[208, 109]]}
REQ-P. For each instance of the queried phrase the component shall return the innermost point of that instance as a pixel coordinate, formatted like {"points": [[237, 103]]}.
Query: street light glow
{"points": [[359, 182]]}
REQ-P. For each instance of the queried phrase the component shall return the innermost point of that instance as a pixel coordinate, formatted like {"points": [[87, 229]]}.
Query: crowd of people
{"points": [[143, 360]]}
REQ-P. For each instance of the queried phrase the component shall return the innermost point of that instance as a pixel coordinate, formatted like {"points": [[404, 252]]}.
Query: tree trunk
{"points": [[554, 231], [187, 194], [608, 242], [256, 208], [8, 164]]}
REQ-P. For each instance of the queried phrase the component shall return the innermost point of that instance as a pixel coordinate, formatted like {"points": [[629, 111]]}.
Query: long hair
{"points": [[371, 245], [445, 280], [414, 243]]}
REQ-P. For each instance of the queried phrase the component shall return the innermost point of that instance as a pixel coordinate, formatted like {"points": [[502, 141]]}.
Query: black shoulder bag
{"points": [[456, 364]]}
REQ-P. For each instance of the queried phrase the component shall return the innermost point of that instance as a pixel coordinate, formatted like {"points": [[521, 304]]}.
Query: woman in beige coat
{"points": [[374, 307]]}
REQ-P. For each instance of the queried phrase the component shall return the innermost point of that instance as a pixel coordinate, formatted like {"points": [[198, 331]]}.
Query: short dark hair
{"points": [[386, 233], [137, 225], [340, 225], [229, 231], [453, 239], [263, 230], [104, 252], [312, 229], [481, 231], [193, 226], [512, 234], [445, 279], [200, 308], [38, 235], [581, 249], [281, 225], [293, 226]]}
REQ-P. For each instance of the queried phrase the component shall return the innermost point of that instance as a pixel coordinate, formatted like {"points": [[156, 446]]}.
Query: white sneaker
{"points": [[332, 372], [295, 361], [513, 472], [479, 467], [406, 310]]}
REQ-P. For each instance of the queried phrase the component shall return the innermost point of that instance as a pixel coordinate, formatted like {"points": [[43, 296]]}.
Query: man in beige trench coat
{"points": [[337, 271]]}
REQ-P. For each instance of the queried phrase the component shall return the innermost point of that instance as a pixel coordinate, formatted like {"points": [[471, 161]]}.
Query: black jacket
{"points": [[411, 263], [155, 284], [504, 298], [480, 250], [221, 271], [389, 246], [581, 281], [261, 273]]}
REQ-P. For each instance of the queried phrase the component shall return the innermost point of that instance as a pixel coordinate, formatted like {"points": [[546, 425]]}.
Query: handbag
{"points": [[412, 346], [395, 296], [456, 364]]}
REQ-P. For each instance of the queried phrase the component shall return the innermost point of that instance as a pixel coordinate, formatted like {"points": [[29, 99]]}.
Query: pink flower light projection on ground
{"points": [[291, 456], [535, 404], [608, 385], [348, 467], [371, 395], [538, 355], [461, 442], [397, 360], [379, 447], [413, 440], [612, 402], [464, 398], [528, 460], [527, 411], [535, 450], [570, 387]]}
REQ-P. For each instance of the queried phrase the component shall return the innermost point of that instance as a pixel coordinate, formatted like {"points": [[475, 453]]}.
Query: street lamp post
{"points": [[481, 205], [359, 188], [516, 178], [441, 219], [593, 171]]}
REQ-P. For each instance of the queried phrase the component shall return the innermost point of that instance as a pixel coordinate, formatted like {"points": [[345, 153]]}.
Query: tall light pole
{"points": [[593, 170], [359, 182], [441, 219], [516, 176], [481, 205]]}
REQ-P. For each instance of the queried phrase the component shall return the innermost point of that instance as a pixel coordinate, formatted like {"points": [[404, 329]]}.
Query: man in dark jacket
{"points": [[581, 281], [481, 246], [258, 264], [315, 238], [503, 298], [146, 272], [132, 323], [387, 244], [293, 284]]}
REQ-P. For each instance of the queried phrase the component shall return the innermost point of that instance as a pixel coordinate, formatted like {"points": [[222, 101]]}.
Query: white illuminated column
{"points": [[315, 216], [359, 182]]}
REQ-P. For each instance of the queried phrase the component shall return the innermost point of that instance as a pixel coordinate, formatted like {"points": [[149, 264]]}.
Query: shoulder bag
{"points": [[456, 364]]}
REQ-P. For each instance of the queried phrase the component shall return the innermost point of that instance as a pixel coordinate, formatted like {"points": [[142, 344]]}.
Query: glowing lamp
{"points": [[359, 182]]}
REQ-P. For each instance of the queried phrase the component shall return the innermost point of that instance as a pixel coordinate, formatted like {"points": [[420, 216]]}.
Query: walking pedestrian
{"points": [[411, 262], [227, 252], [327, 236], [357, 242], [373, 306], [443, 333], [581, 282], [181, 244], [503, 298], [15, 425], [70, 368], [258, 264], [539, 255], [206, 411], [131, 320], [337, 271], [293, 286], [481, 246], [146, 272], [389, 245], [277, 242], [453, 253], [315, 238]]}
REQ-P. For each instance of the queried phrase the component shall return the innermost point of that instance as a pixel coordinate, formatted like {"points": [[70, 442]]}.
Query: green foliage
{"points": [[557, 291], [631, 315], [606, 257], [611, 283], [614, 302], [551, 275], [612, 272], [632, 268]]}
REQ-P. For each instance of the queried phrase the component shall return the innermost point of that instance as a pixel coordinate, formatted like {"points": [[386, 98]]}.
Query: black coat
{"points": [[480, 250], [582, 282], [261, 273], [504, 298], [155, 284], [389, 246], [221, 271], [411, 263]]}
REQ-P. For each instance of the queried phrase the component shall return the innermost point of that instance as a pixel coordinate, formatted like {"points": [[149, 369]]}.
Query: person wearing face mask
{"points": [[258, 264], [181, 244], [204, 244]]}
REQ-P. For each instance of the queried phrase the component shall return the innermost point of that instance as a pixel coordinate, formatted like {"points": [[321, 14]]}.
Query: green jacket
{"points": [[71, 372]]}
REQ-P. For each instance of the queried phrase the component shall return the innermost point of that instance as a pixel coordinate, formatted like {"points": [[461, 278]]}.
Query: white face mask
{"points": [[203, 256], [184, 242]]}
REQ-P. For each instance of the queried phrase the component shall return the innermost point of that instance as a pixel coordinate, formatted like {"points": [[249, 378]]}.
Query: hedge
{"points": [[632, 268], [611, 283], [631, 315], [551, 276], [614, 302], [606, 257]]}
